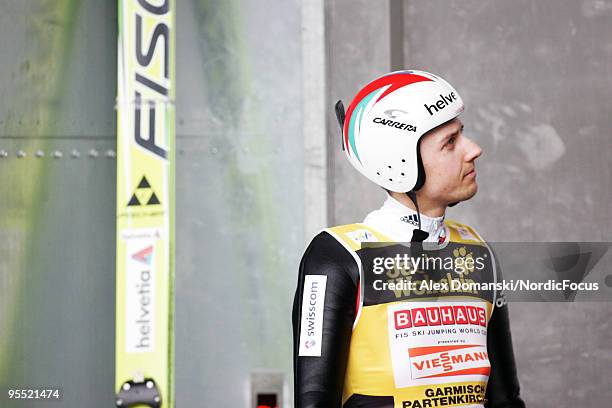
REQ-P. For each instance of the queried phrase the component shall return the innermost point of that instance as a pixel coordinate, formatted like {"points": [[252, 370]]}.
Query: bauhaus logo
{"points": [[441, 103], [440, 315]]}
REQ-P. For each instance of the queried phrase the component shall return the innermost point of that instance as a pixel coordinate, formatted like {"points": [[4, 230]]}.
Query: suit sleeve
{"points": [[318, 381], [503, 390]]}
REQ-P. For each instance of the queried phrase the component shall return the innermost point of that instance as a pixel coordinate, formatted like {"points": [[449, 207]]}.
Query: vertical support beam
{"points": [[316, 192], [396, 34]]}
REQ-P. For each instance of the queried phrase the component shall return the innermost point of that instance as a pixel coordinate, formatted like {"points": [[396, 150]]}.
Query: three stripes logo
{"points": [[411, 219], [143, 195]]}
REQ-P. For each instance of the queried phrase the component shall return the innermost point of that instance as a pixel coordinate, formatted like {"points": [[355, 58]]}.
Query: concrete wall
{"points": [[57, 195], [239, 196], [358, 49]]}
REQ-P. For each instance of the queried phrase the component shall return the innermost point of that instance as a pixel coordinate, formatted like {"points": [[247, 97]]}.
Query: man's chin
{"points": [[471, 192], [467, 194]]}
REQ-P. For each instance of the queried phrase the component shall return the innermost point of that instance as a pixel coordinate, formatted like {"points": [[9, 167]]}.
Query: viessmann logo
{"points": [[440, 315], [441, 361]]}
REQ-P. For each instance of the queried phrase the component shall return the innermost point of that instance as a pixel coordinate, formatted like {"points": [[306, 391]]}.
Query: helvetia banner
{"points": [[145, 203]]}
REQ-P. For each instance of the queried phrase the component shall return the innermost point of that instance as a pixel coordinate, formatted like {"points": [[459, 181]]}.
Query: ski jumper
{"points": [[357, 345]]}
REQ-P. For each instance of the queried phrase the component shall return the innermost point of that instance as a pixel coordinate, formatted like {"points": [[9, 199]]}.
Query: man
{"points": [[357, 345]]}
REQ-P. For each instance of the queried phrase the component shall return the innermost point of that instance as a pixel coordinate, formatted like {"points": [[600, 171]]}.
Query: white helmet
{"points": [[386, 120]]}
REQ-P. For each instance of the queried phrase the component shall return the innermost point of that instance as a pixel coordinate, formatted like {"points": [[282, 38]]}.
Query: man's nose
{"points": [[472, 151]]}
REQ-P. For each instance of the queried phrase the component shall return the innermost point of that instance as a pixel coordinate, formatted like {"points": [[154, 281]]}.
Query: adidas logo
{"points": [[411, 219], [143, 195]]}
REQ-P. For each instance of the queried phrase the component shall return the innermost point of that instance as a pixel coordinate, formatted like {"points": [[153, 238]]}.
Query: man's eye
{"points": [[451, 141]]}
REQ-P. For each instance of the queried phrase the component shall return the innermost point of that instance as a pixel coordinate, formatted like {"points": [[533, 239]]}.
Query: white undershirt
{"points": [[397, 221]]}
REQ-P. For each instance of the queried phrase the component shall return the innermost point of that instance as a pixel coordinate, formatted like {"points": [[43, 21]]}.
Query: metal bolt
{"points": [[75, 154], [40, 153], [149, 384], [3, 153], [110, 153], [93, 153], [21, 153], [126, 386], [156, 399], [57, 154], [119, 402]]}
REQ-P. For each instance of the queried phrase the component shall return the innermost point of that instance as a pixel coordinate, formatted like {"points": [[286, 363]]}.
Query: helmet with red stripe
{"points": [[386, 121]]}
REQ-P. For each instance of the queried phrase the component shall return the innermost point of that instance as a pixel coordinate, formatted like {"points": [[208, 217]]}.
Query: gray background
{"points": [[536, 77]]}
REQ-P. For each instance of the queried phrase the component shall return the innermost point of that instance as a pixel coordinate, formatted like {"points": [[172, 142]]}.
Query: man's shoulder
{"points": [[342, 238], [327, 255], [346, 238], [353, 235]]}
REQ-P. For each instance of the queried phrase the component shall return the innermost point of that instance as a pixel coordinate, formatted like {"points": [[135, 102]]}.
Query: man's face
{"points": [[448, 158]]}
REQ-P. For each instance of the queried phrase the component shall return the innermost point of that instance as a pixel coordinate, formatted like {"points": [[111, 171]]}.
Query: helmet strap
{"points": [[418, 235], [420, 169], [341, 116]]}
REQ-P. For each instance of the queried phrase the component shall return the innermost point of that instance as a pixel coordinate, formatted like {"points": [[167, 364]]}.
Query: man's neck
{"points": [[426, 206]]}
